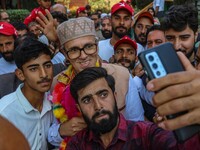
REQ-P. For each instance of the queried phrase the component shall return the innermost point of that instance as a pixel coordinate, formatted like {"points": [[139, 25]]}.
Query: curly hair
{"points": [[179, 17]]}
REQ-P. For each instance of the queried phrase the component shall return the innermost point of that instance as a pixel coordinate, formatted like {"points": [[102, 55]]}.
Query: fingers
{"points": [[187, 119], [178, 105], [175, 91], [185, 61]]}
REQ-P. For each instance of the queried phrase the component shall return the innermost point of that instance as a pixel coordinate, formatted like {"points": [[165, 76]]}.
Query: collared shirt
{"points": [[6, 67], [133, 136], [33, 124]]}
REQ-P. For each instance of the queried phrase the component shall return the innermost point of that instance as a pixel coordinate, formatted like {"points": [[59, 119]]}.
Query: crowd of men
{"points": [[77, 83]]}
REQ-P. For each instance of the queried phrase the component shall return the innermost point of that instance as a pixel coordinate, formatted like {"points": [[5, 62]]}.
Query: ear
{"points": [[20, 75], [196, 35], [77, 105], [136, 58]]}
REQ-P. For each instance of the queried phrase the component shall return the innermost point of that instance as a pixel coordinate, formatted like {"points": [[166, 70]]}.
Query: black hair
{"points": [[59, 16], [87, 76], [153, 28], [151, 8], [29, 48], [179, 17], [19, 26], [96, 13]]}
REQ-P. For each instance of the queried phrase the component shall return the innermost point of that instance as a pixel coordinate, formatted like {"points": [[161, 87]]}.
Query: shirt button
{"points": [[40, 134]]}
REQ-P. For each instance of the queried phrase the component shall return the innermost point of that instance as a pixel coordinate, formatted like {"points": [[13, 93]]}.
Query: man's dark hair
{"points": [[19, 26], [153, 28], [97, 14], [87, 76], [59, 16], [28, 49], [179, 17]]}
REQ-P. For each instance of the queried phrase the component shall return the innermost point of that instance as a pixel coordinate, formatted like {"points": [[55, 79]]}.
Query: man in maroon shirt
{"points": [[94, 91]]}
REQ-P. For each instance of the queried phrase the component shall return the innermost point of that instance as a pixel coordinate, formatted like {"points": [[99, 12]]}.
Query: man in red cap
{"points": [[81, 12], [7, 38], [126, 52], [121, 21], [143, 22]]}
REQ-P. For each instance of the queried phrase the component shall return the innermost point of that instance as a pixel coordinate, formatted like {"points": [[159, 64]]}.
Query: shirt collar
{"points": [[27, 106]]}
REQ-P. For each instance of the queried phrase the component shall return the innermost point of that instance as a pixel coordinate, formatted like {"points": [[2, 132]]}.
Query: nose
{"points": [[83, 55], [143, 30], [124, 54], [177, 44], [43, 73], [122, 21], [5, 48], [97, 105]]}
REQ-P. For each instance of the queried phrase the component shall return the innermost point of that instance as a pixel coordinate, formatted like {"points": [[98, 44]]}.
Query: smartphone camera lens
{"points": [[155, 66], [158, 73], [151, 58]]}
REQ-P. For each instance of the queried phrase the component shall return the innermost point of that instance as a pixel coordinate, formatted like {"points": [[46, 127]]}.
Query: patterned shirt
{"points": [[133, 136]]}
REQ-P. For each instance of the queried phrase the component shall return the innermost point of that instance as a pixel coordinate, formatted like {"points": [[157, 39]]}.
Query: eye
{"points": [[86, 100], [73, 50], [103, 94], [119, 51], [89, 46], [169, 38], [184, 38], [49, 65], [33, 69]]}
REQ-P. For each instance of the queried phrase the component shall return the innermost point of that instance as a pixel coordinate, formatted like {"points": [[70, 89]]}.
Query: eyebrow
{"points": [[90, 95], [35, 65]]}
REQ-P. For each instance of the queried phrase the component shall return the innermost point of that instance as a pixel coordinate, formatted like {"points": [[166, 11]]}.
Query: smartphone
{"points": [[159, 61]]}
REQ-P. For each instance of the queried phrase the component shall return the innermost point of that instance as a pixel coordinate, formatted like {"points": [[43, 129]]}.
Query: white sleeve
{"points": [[53, 135], [144, 93], [134, 110]]}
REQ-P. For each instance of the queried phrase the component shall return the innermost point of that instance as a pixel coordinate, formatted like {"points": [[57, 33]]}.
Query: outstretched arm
{"points": [[178, 92]]}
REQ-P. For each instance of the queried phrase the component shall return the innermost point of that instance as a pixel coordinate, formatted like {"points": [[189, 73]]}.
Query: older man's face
{"points": [[84, 60]]}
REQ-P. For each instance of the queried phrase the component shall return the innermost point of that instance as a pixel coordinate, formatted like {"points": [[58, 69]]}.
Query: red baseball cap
{"points": [[7, 29], [126, 40], [147, 15], [122, 5], [80, 9]]}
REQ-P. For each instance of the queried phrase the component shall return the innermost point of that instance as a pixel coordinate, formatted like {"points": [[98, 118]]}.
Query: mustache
{"points": [[142, 35], [101, 112], [4, 53], [181, 50], [124, 60], [121, 27], [44, 80]]}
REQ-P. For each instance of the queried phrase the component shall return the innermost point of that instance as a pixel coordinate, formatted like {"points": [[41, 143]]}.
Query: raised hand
{"points": [[47, 25]]}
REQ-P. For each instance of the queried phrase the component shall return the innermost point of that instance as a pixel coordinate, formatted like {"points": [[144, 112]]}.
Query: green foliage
{"points": [[141, 3], [100, 4], [17, 15]]}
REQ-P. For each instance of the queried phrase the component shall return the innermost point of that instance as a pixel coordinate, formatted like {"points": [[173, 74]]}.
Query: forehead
{"points": [[5, 38], [41, 59], [157, 34], [122, 12], [144, 21], [106, 20], [99, 85], [172, 32], [125, 46], [79, 42]]}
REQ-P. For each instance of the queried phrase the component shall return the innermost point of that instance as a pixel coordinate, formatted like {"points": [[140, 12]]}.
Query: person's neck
{"points": [[35, 98], [114, 39], [108, 137]]}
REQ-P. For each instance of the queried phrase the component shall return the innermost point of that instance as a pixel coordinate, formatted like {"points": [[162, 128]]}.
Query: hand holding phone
{"points": [[158, 62]]}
